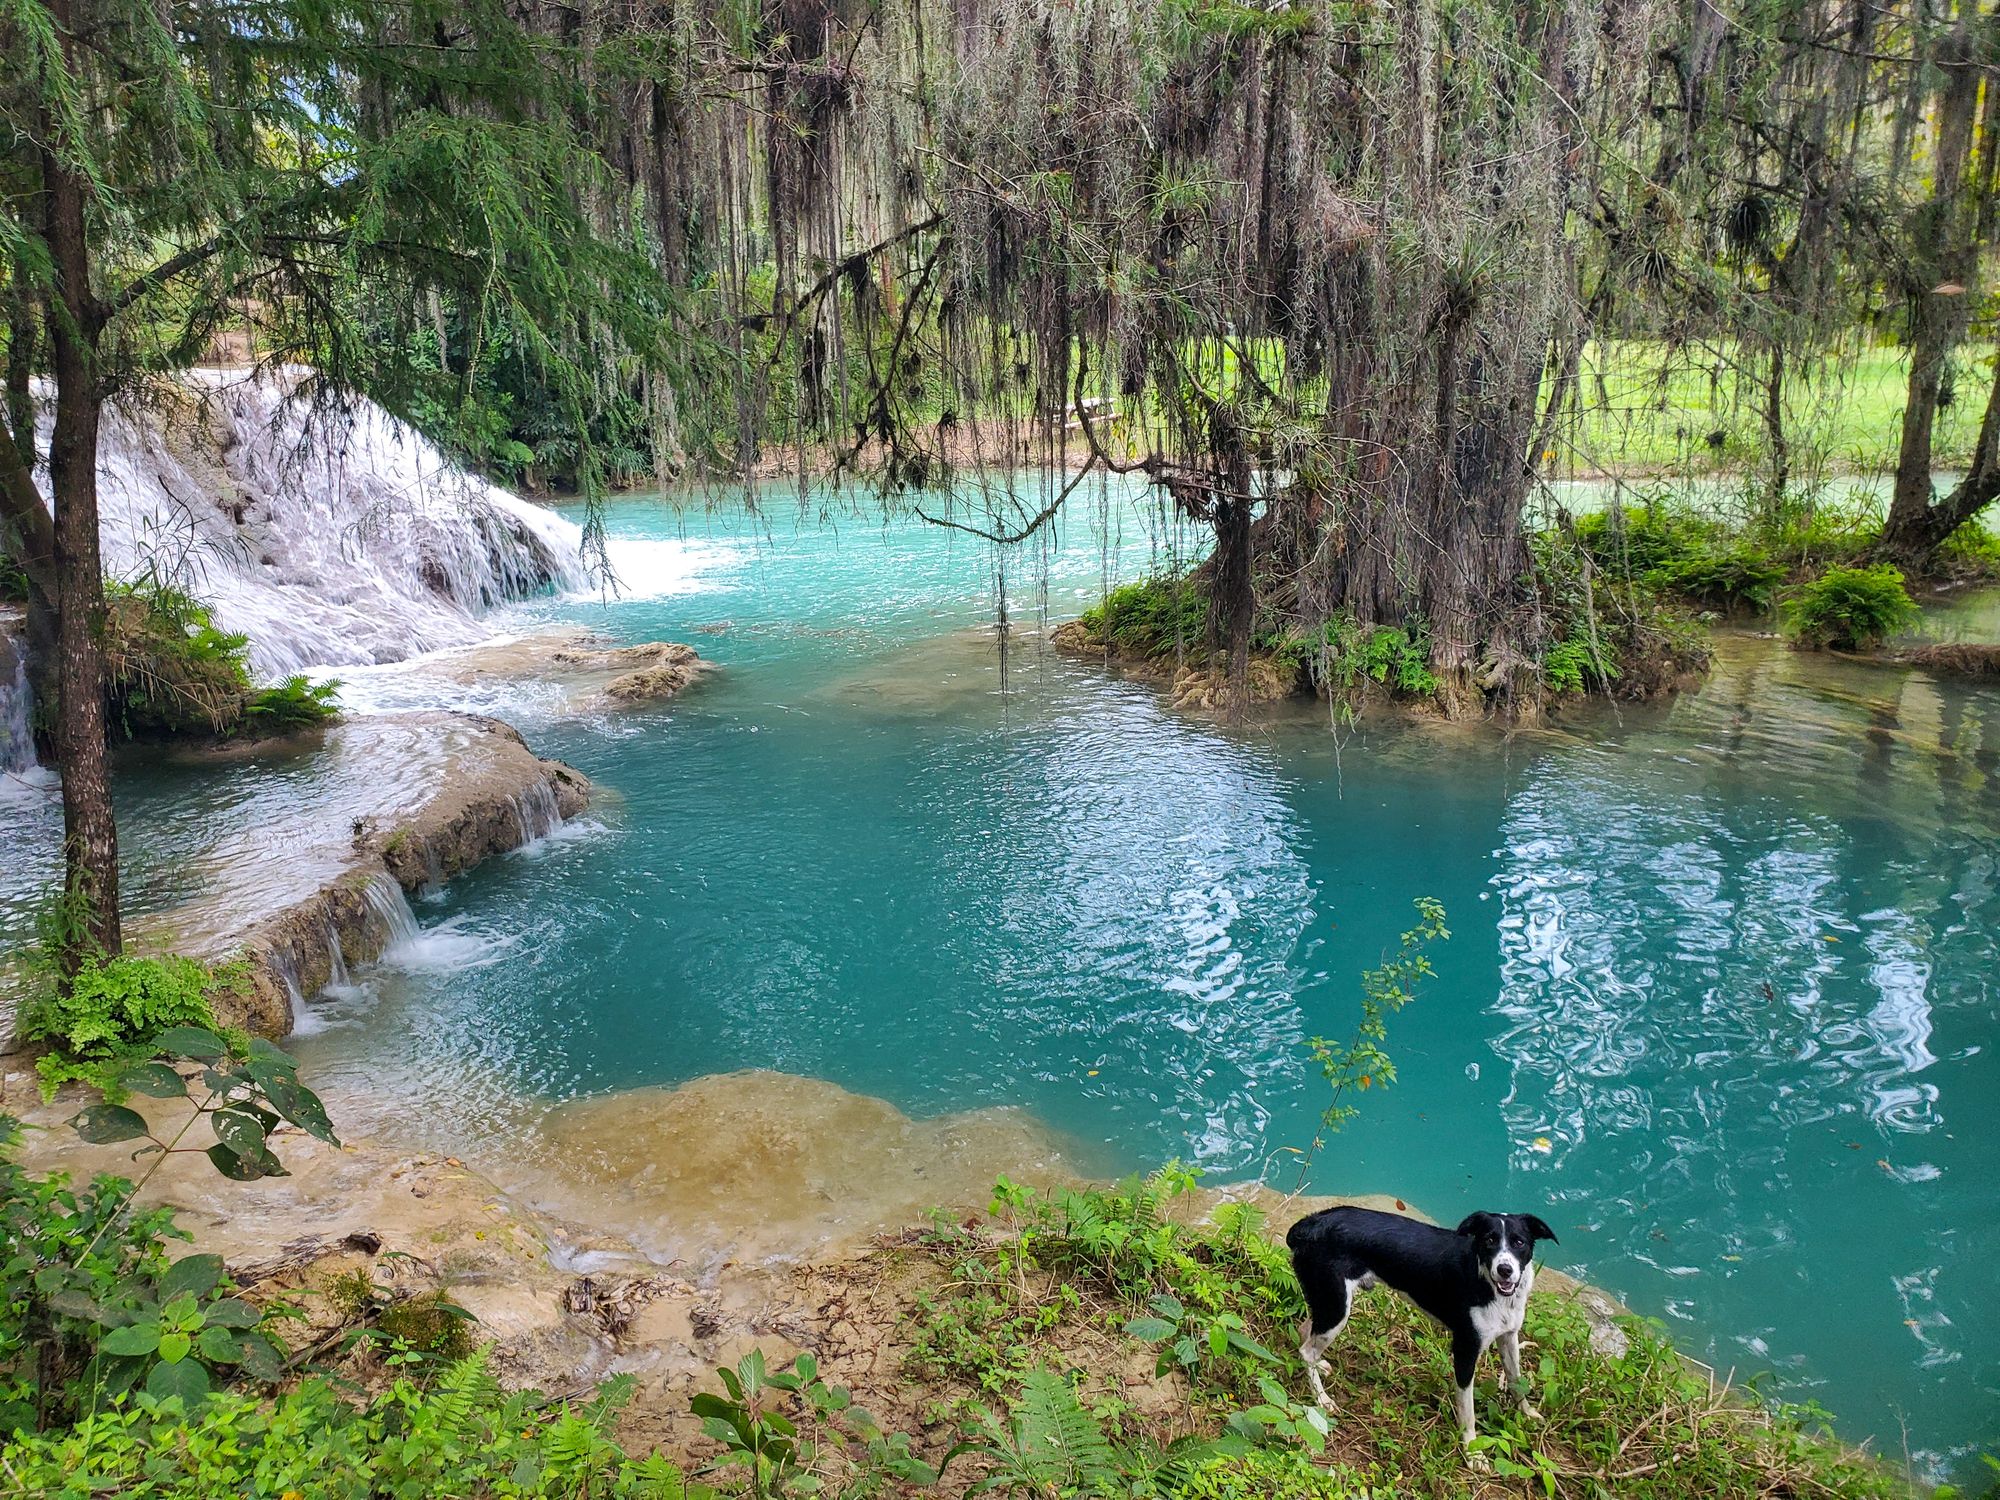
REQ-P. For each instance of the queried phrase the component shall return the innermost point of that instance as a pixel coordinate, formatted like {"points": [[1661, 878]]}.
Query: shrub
{"points": [[13, 581], [429, 1325], [1344, 652], [1850, 609], [1267, 1474], [168, 669], [1688, 556], [296, 703], [1574, 664], [464, 1436], [1156, 617]]}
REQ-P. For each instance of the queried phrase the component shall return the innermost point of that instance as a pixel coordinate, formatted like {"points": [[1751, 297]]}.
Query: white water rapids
{"points": [[328, 537]]}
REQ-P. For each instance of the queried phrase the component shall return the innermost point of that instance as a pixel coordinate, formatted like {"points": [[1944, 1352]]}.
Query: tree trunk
{"points": [[1914, 532], [90, 828], [1944, 267]]}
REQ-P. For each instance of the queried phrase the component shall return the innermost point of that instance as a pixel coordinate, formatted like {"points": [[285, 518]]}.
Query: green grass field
{"points": [[1644, 408]]}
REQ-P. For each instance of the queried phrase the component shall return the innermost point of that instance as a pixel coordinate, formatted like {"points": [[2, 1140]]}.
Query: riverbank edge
{"points": [[1194, 688], [560, 1306]]}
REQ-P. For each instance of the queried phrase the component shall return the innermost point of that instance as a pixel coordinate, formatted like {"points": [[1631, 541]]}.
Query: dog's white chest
{"points": [[1503, 1314]]}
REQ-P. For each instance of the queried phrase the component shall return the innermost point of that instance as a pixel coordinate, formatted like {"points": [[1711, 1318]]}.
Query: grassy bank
{"points": [[1635, 644], [1100, 1342]]}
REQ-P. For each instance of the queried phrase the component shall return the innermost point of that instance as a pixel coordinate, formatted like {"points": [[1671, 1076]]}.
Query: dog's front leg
{"points": [[1465, 1352], [1510, 1368]]}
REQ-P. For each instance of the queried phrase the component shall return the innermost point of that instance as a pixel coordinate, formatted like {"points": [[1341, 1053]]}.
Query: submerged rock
{"points": [[592, 673], [648, 673]]}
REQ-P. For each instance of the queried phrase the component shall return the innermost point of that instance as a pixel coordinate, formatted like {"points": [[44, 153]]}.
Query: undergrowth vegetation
{"points": [[1631, 641], [1851, 609], [1747, 564], [171, 672], [1044, 1309]]}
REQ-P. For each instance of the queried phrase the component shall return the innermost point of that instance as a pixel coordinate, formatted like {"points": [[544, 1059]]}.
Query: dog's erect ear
{"points": [[1537, 1230], [1473, 1223]]}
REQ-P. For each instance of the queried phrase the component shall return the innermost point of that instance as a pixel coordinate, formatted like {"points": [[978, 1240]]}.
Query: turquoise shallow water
{"points": [[1719, 1001]]}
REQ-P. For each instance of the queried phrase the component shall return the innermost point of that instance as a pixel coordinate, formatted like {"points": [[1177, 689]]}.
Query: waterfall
{"points": [[391, 908], [336, 961], [536, 811], [17, 740], [329, 537]]}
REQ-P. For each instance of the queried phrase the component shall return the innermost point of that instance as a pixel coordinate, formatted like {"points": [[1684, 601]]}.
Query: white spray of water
{"points": [[328, 538]]}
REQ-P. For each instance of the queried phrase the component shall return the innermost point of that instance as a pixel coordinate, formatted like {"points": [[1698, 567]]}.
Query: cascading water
{"points": [[17, 739], [390, 907], [328, 536], [537, 812]]}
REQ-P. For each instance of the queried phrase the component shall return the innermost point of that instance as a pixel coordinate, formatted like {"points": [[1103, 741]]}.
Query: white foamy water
{"points": [[660, 568], [328, 537]]}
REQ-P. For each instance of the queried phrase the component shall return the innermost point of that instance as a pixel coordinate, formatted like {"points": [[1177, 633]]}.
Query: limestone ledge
{"points": [[421, 798]]}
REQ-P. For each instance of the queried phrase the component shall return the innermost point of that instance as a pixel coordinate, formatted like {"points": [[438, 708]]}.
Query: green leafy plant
{"points": [[296, 703], [1343, 654], [461, 1435], [93, 1308], [779, 1454], [1575, 663], [176, 1339], [1360, 1063], [1159, 616], [171, 671], [242, 1089], [1048, 1445], [429, 1325], [110, 1010], [1674, 551], [1850, 609], [1187, 1338]]}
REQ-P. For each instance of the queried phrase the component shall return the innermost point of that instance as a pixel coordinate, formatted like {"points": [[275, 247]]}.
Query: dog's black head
{"points": [[1503, 1244]]}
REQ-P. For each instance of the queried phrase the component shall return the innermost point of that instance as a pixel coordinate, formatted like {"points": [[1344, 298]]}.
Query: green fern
{"points": [[466, 1388], [1052, 1445]]}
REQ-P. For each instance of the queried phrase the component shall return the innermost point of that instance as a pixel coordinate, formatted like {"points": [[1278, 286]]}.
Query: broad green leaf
{"points": [[174, 1347], [155, 1080], [75, 1304], [239, 1130], [102, 1124], [1151, 1330], [245, 1168], [140, 1338], [270, 1051], [220, 1346], [262, 1356], [191, 1276], [184, 1378], [190, 1041], [233, 1312], [301, 1106]]}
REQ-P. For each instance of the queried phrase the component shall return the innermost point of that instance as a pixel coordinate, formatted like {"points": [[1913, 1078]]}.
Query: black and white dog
{"points": [[1474, 1280]]}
